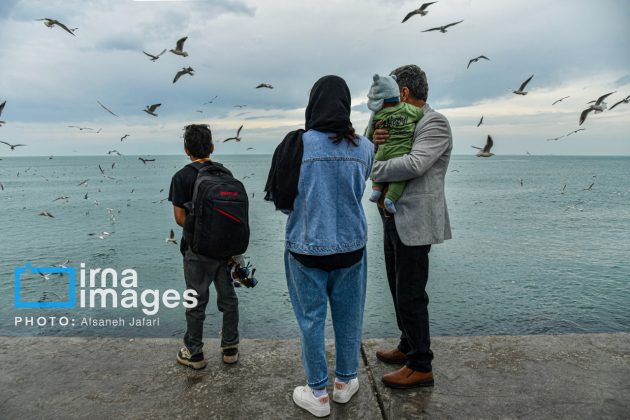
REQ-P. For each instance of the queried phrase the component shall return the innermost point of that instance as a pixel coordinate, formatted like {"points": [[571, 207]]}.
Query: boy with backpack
{"points": [[212, 207]]}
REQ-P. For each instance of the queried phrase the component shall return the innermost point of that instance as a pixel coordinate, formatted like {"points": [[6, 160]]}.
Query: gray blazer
{"points": [[422, 216]]}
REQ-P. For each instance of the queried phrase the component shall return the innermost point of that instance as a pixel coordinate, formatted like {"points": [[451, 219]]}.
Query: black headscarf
{"points": [[328, 110]]}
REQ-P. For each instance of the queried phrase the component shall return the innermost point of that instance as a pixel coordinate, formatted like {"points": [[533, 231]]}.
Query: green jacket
{"points": [[400, 121]]}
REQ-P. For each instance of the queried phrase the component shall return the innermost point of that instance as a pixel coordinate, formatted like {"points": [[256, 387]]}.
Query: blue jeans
{"points": [[311, 290]]}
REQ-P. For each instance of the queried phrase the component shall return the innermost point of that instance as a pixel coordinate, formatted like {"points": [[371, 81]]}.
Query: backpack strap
{"points": [[209, 166]]}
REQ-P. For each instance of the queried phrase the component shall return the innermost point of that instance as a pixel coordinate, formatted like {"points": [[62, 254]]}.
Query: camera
{"points": [[240, 272]]}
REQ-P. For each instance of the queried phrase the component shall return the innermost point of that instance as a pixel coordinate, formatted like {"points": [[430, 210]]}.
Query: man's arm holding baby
{"points": [[431, 140]]}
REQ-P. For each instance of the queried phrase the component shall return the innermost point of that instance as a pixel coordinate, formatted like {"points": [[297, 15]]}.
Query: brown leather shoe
{"points": [[395, 357], [407, 378]]}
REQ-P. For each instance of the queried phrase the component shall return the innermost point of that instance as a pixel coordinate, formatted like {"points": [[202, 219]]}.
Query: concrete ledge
{"points": [[567, 376]]}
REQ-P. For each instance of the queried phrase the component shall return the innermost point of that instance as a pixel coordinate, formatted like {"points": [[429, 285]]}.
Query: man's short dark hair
{"points": [[198, 140], [413, 78]]}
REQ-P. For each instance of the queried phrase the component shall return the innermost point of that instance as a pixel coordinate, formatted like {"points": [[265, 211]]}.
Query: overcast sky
{"points": [[51, 79]]}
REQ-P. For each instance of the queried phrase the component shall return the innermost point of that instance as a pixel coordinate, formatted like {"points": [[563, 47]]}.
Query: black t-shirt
{"points": [[330, 262]]}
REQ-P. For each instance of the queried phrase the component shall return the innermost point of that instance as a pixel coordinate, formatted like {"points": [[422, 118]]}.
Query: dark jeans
{"points": [[199, 273], [407, 273]]}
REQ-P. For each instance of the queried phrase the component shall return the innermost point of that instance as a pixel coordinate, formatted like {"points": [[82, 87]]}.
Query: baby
{"points": [[400, 119]]}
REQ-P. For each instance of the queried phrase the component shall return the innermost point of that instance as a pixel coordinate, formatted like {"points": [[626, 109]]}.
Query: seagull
{"points": [[598, 107], [179, 49], [154, 57], [106, 109], [101, 169], [171, 238], [151, 108], [114, 163], [80, 128], [1, 108], [443, 28], [101, 235], [114, 151], [63, 197], [239, 106], [45, 276], [52, 22], [85, 197], [560, 100], [474, 60], [264, 85], [124, 137], [485, 152], [238, 135], [250, 148], [419, 11], [589, 187], [183, 71], [199, 110], [563, 188], [84, 182], [520, 90], [146, 160], [480, 121], [555, 138], [625, 101], [211, 100], [12, 146], [45, 213], [1, 186]]}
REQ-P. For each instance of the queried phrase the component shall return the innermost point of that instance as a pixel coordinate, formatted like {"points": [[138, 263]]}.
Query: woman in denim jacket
{"points": [[318, 177]]}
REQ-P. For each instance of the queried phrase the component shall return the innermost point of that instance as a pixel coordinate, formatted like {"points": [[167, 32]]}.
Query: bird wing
{"points": [[172, 235], [155, 57], [154, 107], [106, 109], [489, 144], [425, 5], [5, 143], [432, 29], [476, 147], [601, 98], [163, 51], [525, 83], [480, 121], [2, 106], [180, 43], [64, 27], [484, 57], [101, 169], [178, 75], [238, 132], [229, 138], [584, 114], [608, 109], [452, 24], [470, 62], [410, 14]]}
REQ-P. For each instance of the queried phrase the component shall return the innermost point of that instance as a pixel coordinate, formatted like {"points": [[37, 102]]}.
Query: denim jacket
{"points": [[327, 216]]}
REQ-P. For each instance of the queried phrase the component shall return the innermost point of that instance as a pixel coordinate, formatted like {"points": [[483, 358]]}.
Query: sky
{"points": [[51, 79]]}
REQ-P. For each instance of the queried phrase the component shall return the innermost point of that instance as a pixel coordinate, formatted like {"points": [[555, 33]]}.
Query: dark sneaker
{"points": [[230, 354], [195, 361]]}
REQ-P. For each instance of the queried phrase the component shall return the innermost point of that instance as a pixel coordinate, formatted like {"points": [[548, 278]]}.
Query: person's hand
{"points": [[380, 135]]}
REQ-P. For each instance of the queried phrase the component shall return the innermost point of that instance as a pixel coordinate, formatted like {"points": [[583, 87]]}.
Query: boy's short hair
{"points": [[413, 78], [198, 140]]}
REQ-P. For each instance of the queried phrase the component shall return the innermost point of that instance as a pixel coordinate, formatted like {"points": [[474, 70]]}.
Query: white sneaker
{"points": [[345, 390], [319, 407]]}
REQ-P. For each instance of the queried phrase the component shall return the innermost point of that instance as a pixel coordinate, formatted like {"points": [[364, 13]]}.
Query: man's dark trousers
{"points": [[407, 273]]}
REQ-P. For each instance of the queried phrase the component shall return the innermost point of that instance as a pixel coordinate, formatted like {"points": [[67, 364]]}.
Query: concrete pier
{"points": [[500, 377]]}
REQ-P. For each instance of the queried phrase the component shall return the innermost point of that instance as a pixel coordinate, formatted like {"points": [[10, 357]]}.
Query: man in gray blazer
{"points": [[420, 221]]}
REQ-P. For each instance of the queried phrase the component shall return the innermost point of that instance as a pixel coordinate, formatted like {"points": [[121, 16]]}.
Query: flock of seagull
{"points": [[597, 105]]}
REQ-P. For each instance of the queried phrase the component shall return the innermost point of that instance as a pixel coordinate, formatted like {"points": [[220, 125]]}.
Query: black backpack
{"points": [[217, 224]]}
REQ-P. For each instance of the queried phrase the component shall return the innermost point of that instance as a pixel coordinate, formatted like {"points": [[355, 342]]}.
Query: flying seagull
{"points": [[84, 182], [154, 57], [106, 109], [150, 109], [113, 151], [179, 49], [238, 135], [101, 235], [1, 108], [443, 28], [146, 160], [171, 238], [264, 85], [63, 197], [560, 100], [52, 22], [211, 100], [250, 148], [419, 11], [480, 121], [555, 138], [485, 152], [45, 213], [520, 90], [124, 137], [80, 128], [12, 146], [474, 60], [183, 71], [589, 187], [598, 106], [625, 101]]}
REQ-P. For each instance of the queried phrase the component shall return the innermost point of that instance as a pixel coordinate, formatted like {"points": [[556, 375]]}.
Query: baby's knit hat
{"points": [[383, 89]]}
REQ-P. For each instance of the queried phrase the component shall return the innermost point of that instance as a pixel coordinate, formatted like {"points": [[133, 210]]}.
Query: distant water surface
{"points": [[531, 259]]}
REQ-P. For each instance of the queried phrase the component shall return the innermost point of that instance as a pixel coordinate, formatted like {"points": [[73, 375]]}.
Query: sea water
{"points": [[534, 249]]}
